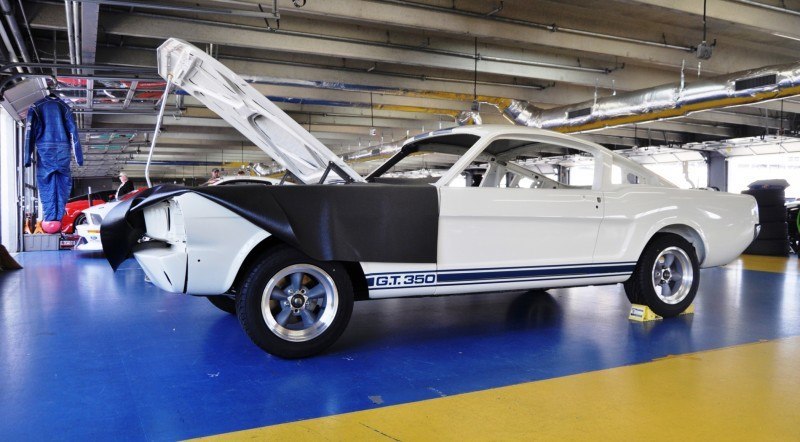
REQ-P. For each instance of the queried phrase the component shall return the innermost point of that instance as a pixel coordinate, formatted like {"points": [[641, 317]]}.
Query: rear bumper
{"points": [[165, 266]]}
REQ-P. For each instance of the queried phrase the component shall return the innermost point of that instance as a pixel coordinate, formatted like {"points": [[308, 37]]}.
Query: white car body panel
{"points": [[392, 280], [489, 238], [507, 230], [723, 222], [220, 242]]}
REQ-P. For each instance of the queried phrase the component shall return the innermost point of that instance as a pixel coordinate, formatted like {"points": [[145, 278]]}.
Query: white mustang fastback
{"points": [[290, 261]]}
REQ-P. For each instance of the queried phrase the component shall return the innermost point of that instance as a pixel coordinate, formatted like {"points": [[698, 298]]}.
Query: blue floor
{"points": [[88, 353]]}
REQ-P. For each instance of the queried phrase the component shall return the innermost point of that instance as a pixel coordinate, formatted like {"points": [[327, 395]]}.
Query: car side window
{"points": [[622, 175], [531, 164]]}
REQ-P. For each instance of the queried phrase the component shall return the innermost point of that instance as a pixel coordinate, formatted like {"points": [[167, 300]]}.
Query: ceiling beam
{"points": [[388, 14], [560, 94], [761, 19], [154, 26]]}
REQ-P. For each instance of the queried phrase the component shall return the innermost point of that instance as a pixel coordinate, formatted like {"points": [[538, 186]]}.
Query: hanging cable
{"points": [[475, 73], [704, 20], [158, 129], [372, 130]]}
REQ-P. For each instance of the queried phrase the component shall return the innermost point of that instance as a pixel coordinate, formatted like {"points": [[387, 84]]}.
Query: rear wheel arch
{"points": [[689, 234]]}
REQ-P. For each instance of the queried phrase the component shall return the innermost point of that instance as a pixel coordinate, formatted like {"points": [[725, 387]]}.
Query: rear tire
{"points": [[294, 306], [226, 303], [666, 277]]}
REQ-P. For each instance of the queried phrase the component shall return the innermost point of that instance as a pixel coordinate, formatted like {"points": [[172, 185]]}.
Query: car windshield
{"points": [[424, 161], [506, 162], [102, 195]]}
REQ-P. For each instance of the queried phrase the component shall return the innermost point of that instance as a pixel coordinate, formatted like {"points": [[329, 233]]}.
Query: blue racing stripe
{"points": [[484, 269], [506, 274], [507, 281]]}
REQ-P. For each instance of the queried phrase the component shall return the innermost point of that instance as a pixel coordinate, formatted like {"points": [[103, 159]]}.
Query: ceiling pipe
{"points": [[537, 87], [152, 73], [76, 32], [7, 43], [668, 101], [193, 9], [770, 7], [28, 28], [70, 37], [5, 7], [353, 87]]}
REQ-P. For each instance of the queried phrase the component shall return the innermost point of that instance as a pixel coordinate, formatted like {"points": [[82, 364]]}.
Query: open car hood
{"points": [[244, 108]]}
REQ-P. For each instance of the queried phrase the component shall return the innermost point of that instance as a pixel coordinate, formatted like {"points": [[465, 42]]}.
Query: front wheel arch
{"points": [[354, 269], [251, 258]]}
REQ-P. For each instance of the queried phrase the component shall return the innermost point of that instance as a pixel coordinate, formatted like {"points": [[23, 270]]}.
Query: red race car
{"points": [[75, 207]]}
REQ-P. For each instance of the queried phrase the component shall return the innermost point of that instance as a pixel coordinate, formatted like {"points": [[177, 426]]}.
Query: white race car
{"points": [[89, 232], [290, 260]]}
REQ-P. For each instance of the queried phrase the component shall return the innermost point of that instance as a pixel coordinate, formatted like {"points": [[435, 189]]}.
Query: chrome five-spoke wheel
{"points": [[299, 302], [666, 276], [673, 275], [292, 305]]}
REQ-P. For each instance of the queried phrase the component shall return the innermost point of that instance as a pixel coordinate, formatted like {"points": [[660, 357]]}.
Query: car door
{"points": [[500, 238]]}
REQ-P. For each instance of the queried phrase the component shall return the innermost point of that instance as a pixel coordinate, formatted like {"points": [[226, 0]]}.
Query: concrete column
{"points": [[717, 171], [9, 163]]}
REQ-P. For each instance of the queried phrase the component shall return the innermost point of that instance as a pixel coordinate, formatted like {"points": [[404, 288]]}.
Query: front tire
{"points": [[666, 277], [226, 303], [293, 306]]}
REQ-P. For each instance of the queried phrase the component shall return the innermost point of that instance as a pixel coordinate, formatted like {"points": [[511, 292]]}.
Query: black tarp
{"points": [[355, 222]]}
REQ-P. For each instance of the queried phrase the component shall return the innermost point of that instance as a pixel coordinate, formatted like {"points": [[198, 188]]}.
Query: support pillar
{"points": [[717, 171], [9, 165]]}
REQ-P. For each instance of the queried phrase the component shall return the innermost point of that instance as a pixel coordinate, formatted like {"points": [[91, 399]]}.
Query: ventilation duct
{"points": [[673, 100]]}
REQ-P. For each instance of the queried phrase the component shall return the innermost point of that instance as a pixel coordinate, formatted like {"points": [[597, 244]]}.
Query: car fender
{"points": [[720, 225], [213, 264]]}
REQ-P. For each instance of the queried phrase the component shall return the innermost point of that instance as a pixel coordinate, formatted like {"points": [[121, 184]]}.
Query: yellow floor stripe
{"points": [[775, 264], [749, 392]]}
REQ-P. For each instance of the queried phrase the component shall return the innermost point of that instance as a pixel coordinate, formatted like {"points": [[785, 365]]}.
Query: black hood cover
{"points": [[356, 222]]}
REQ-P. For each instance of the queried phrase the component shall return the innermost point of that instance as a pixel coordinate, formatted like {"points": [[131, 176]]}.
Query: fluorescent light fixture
{"points": [[790, 37]]}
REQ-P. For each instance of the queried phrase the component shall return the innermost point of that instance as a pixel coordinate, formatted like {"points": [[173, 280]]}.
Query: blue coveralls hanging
{"points": [[52, 130]]}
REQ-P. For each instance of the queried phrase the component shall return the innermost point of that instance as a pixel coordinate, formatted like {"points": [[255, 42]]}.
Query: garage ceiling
{"points": [[341, 67]]}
